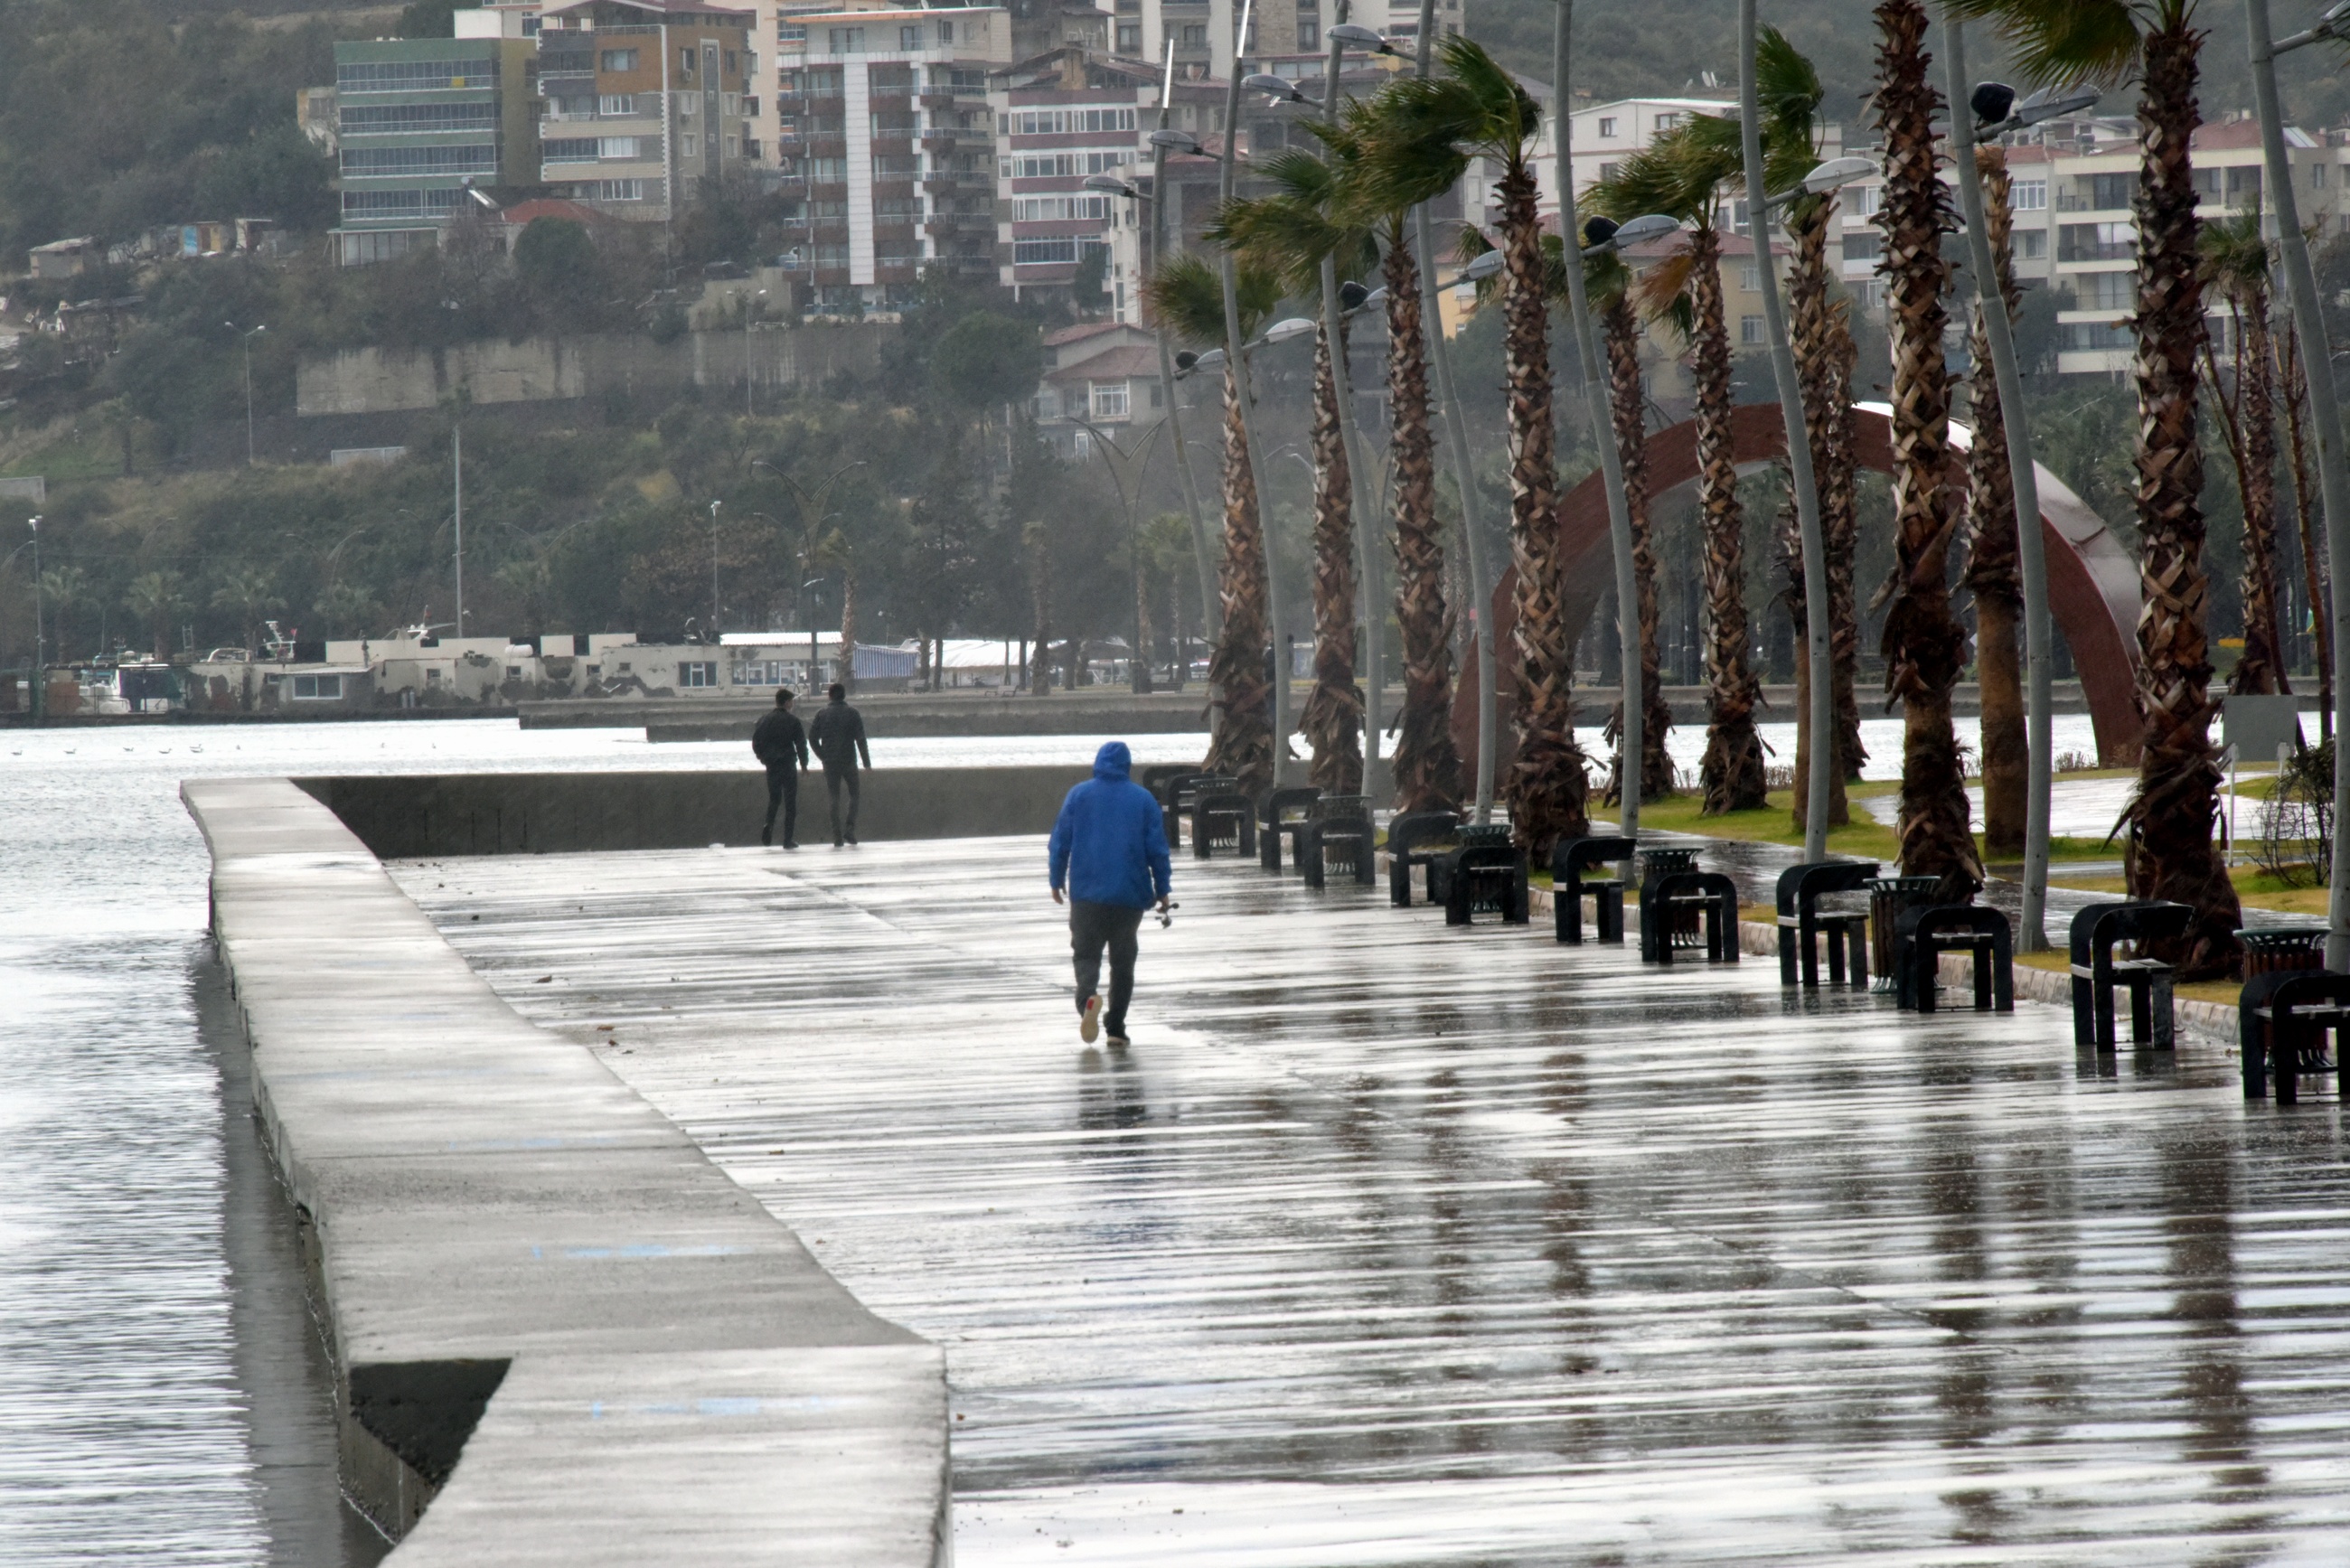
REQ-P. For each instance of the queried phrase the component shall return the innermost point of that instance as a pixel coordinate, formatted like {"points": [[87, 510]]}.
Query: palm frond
{"points": [[1661, 293], [1185, 297], [2064, 43], [2232, 254]]}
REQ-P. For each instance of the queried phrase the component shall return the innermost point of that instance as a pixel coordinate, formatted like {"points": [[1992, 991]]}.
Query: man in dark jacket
{"points": [[1109, 850], [838, 736], [781, 746]]}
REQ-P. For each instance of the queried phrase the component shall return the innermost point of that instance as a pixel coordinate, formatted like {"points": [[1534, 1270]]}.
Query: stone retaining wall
{"points": [[560, 1334]]}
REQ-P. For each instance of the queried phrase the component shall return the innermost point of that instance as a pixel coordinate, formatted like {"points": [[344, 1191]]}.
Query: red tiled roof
{"points": [[522, 213], [1061, 334]]}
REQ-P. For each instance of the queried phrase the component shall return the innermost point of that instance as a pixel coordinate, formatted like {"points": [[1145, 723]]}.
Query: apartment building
{"points": [[1061, 116], [886, 147], [647, 102], [418, 121]]}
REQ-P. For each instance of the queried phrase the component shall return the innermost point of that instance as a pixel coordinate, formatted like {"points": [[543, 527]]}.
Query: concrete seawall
{"points": [[560, 1334], [399, 817]]}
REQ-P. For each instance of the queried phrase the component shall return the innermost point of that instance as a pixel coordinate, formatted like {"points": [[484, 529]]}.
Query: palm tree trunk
{"points": [[1427, 764], [1545, 784], [1331, 718], [2172, 814], [2261, 669], [2295, 392], [1244, 742], [1992, 569], [845, 664], [1815, 327], [1732, 774], [1620, 329], [1924, 644]]}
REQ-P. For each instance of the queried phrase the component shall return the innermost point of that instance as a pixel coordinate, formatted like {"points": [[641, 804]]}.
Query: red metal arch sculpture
{"points": [[2093, 582]]}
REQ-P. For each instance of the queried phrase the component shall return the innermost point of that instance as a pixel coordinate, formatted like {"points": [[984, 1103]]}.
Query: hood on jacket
{"points": [[1113, 762]]}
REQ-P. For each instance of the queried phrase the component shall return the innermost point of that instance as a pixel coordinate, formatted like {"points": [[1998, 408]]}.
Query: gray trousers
{"points": [[834, 781], [1091, 928]]}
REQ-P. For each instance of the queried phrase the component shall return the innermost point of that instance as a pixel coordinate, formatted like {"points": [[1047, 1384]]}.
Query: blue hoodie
{"points": [[1109, 846]]}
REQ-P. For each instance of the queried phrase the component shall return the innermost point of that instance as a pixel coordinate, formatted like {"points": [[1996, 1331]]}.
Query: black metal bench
{"points": [[1415, 839], [1222, 819], [1927, 931], [1802, 922], [1180, 792], [1339, 823], [2096, 929], [1568, 861], [1482, 872], [1283, 810], [2281, 1021], [1677, 900]]}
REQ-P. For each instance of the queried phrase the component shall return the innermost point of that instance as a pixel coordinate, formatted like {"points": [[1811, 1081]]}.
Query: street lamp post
{"points": [[2031, 562], [1125, 472], [714, 569], [1226, 179], [1799, 451], [247, 337], [748, 308], [2334, 476], [40, 653], [1456, 427]]}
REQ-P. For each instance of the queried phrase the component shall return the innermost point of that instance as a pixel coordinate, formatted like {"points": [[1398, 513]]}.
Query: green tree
{"points": [[252, 593], [556, 260], [987, 359], [154, 597]]}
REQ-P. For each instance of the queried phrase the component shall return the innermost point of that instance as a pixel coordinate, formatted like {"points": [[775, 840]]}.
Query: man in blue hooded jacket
{"points": [[1109, 851]]}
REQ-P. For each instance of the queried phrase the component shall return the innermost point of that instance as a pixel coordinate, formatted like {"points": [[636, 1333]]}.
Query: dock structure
{"points": [[1387, 1242]]}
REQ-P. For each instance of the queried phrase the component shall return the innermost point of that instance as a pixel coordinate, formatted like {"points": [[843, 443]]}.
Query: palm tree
{"points": [[1924, 644], [1680, 174], [154, 597], [1427, 130], [65, 587], [1427, 763], [249, 591], [1289, 232], [1609, 287], [1820, 332], [1186, 298], [2172, 814], [2235, 255], [1037, 538], [1993, 564]]}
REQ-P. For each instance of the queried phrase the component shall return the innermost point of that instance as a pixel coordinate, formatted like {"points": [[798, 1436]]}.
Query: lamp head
{"points": [[1293, 327], [1213, 360], [1599, 231], [1646, 227], [1484, 266], [1109, 185], [1351, 295], [2040, 106], [1280, 89], [1355, 36], [1186, 362], [1175, 141], [1991, 101], [1836, 173]]}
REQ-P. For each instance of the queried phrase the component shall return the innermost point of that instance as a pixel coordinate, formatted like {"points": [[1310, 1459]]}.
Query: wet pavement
{"points": [[1387, 1243]]}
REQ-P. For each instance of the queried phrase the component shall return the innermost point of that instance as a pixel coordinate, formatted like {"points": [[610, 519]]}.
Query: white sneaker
{"points": [[1089, 1020]]}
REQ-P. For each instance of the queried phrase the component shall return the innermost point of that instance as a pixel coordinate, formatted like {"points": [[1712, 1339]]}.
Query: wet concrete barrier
{"points": [[398, 817], [560, 1334]]}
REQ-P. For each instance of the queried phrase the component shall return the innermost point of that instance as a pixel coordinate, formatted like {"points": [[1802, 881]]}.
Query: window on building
{"points": [[685, 61], [568, 149], [909, 38], [1863, 245], [319, 688], [733, 147], [697, 672], [846, 40], [1309, 35], [2106, 290], [475, 159], [729, 62], [827, 171], [2106, 191], [413, 76], [617, 103], [1749, 278], [2094, 337], [687, 105], [1109, 400], [2243, 181], [608, 190], [1750, 330], [1609, 171], [1867, 199], [2031, 244], [616, 60], [2317, 176], [366, 119], [946, 32], [1042, 252], [1195, 38], [2028, 196], [689, 145], [1666, 120], [1606, 125], [823, 81], [730, 103], [2096, 242]]}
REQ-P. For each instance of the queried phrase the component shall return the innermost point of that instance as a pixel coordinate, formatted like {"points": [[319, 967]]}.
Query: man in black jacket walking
{"points": [[838, 736], [781, 746]]}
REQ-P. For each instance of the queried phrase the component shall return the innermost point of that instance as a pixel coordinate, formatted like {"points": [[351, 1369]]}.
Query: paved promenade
{"points": [[1392, 1244]]}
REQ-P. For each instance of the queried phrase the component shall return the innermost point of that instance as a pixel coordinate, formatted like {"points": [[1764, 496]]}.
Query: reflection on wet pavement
{"points": [[1387, 1243]]}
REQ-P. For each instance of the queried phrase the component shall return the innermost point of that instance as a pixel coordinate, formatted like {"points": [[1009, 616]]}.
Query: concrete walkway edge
{"points": [[560, 1334]]}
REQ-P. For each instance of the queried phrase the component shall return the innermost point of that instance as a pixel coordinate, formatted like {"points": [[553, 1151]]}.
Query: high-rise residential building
{"points": [[1061, 116], [647, 101], [418, 120], [886, 147]]}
